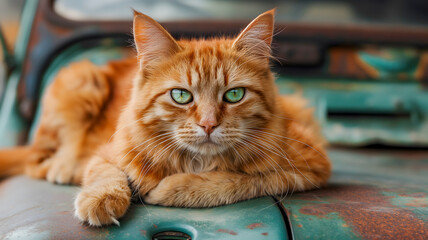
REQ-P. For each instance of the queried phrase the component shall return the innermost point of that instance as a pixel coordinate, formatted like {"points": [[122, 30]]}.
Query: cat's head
{"points": [[206, 95]]}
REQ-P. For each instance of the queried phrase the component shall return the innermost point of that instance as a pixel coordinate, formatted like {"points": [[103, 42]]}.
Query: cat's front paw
{"points": [[103, 206], [173, 191]]}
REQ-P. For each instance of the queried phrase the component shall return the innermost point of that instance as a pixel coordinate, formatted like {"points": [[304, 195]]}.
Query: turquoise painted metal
{"points": [[372, 195], [32, 209], [366, 112], [390, 63]]}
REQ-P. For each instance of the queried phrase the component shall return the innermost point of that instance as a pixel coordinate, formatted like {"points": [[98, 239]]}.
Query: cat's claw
{"points": [[99, 208], [115, 221]]}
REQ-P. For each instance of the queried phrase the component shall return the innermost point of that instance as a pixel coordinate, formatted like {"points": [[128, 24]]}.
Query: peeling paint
{"points": [[255, 225], [227, 231], [372, 195]]}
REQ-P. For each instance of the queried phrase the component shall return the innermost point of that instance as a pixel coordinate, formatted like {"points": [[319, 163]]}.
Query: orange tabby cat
{"points": [[200, 123]]}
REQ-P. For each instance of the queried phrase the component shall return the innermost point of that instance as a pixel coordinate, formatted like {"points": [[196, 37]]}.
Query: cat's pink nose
{"points": [[208, 126]]}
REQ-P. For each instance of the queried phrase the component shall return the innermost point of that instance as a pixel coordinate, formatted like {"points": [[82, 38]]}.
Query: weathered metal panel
{"points": [[374, 194], [366, 112], [32, 209]]}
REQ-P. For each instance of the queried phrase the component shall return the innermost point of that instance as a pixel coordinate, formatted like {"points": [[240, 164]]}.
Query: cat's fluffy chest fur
{"points": [[190, 123]]}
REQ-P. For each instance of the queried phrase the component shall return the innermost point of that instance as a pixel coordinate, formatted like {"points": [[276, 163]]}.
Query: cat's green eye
{"points": [[234, 95], [181, 96]]}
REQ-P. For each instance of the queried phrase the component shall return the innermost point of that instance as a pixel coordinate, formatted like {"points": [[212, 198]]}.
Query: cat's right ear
{"points": [[152, 41], [256, 38]]}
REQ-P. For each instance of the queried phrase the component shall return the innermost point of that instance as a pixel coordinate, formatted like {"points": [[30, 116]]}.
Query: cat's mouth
{"points": [[208, 140], [207, 145]]}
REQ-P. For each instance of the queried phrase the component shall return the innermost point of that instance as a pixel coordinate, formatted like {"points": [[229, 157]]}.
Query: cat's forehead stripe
{"points": [[225, 77], [189, 77], [206, 66]]}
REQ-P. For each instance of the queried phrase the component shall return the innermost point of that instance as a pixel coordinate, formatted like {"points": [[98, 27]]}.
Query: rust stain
{"points": [[265, 234], [414, 195], [418, 202], [143, 232], [300, 225], [254, 225], [155, 226], [227, 231], [368, 212], [318, 211]]}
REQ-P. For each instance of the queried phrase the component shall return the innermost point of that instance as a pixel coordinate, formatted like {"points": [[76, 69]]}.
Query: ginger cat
{"points": [[190, 123]]}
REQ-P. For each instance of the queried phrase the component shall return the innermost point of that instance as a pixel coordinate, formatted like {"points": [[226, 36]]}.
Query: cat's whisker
{"points": [[244, 143], [259, 152], [262, 173], [156, 157], [278, 178], [279, 147], [291, 139], [222, 158], [293, 148], [270, 161], [289, 145], [285, 118], [121, 128], [153, 162], [152, 157], [241, 158], [291, 164], [143, 167], [142, 150], [160, 137], [285, 156]]}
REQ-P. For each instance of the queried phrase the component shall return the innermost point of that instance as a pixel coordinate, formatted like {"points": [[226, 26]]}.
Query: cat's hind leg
{"points": [[72, 105]]}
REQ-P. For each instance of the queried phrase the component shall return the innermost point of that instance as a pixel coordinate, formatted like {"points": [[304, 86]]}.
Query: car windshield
{"points": [[349, 12]]}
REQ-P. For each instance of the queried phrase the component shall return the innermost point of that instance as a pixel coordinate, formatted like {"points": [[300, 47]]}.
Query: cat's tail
{"points": [[13, 160]]}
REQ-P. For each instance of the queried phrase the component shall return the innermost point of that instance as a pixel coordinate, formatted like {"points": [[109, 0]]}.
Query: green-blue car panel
{"points": [[372, 194], [359, 112], [33, 209]]}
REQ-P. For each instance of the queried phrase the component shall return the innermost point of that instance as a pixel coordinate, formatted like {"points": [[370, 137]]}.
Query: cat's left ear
{"points": [[256, 38], [152, 41]]}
